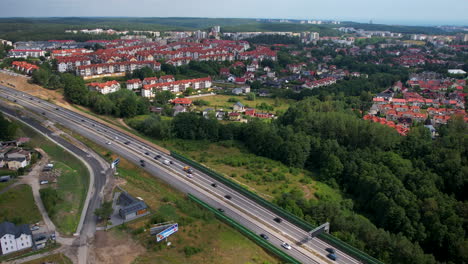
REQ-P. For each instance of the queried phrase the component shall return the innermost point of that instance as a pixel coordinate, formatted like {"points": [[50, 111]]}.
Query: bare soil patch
{"points": [[110, 248]]}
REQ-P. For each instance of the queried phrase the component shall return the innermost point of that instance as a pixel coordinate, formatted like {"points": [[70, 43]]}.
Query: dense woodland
{"points": [[410, 190], [7, 129]]}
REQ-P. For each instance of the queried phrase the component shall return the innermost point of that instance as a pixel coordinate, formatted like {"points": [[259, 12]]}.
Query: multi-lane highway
{"points": [[238, 207]]}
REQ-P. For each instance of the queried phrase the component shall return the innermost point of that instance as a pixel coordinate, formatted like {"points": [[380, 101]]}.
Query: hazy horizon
{"points": [[400, 12]]}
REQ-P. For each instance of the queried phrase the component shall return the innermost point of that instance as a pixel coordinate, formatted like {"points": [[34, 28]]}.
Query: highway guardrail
{"points": [[251, 235]]}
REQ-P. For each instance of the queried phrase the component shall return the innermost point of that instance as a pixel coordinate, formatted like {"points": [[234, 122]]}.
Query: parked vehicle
{"points": [[43, 182]]}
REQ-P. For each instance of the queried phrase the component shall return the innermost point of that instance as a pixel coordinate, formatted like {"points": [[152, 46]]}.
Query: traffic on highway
{"points": [[281, 233]]}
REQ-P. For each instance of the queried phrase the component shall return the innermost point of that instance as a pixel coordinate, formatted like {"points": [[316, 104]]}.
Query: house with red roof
{"points": [[134, 84], [23, 66], [182, 101], [104, 88]]}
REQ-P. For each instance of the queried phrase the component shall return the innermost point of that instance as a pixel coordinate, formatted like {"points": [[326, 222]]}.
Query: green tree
{"points": [[105, 211]]}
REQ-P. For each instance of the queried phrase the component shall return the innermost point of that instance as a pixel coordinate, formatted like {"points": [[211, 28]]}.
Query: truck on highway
{"points": [[188, 169]]}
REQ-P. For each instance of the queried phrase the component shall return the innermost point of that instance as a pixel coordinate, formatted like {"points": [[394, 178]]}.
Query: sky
{"points": [[408, 12]]}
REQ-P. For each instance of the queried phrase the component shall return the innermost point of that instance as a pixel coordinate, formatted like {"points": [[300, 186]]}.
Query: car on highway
{"points": [[189, 175], [277, 219], [155, 157], [221, 210], [159, 156], [147, 153], [82, 120], [142, 161], [171, 162], [116, 138], [286, 246], [214, 185], [108, 142], [142, 164], [43, 113], [330, 250], [264, 236], [332, 256], [166, 162], [227, 196], [56, 108], [127, 142]]}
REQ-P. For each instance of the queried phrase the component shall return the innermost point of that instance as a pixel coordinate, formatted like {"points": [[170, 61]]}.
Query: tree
{"points": [[251, 96], [40, 77], [7, 129], [105, 211], [163, 97]]}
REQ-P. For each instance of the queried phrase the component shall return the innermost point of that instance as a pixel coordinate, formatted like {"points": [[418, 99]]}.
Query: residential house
{"points": [[182, 101], [14, 238], [234, 116], [24, 53], [130, 206], [179, 109], [104, 88], [134, 84], [207, 111], [238, 107]]}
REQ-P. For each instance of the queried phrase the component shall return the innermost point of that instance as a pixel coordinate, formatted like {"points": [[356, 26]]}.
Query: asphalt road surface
{"points": [[240, 208]]}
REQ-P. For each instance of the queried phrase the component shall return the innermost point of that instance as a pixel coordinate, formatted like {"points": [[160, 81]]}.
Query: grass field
{"points": [[17, 205], [55, 258], [72, 184], [221, 101]]}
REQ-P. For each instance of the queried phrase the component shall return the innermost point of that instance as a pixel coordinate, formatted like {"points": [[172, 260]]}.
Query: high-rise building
{"points": [[314, 36]]}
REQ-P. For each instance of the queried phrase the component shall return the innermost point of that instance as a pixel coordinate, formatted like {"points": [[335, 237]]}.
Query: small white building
{"points": [[14, 238], [105, 88]]}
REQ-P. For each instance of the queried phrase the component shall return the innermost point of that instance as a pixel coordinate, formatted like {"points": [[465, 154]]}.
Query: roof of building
{"points": [[12, 229], [134, 207]]}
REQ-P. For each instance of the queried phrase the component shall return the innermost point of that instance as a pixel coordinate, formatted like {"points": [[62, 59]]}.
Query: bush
{"points": [[190, 251]]}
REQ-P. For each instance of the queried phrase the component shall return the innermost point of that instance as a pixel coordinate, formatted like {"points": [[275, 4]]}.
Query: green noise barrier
{"points": [[251, 235], [278, 210]]}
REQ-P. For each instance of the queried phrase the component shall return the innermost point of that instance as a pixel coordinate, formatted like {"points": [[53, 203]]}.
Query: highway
{"points": [[238, 207]]}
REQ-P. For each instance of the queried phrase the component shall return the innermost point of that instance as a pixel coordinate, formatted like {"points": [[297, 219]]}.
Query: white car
{"points": [[189, 175], [108, 142], [286, 246]]}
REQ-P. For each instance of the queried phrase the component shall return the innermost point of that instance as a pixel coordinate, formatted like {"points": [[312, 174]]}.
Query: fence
{"points": [[251, 235], [278, 210]]}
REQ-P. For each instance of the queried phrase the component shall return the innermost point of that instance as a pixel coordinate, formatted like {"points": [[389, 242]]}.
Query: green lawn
{"points": [[17, 205], [221, 101], [72, 185], [72, 189]]}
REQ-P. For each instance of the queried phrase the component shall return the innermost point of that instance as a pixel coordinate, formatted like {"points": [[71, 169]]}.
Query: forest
{"points": [[408, 191]]}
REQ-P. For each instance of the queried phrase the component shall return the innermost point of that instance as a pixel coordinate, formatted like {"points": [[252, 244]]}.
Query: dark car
{"points": [[43, 113], [227, 196], [142, 164], [57, 108], [171, 162], [221, 210], [142, 161], [155, 157], [147, 153], [332, 256], [214, 185], [14, 100], [82, 120], [264, 236], [159, 156], [330, 250], [277, 219], [127, 142]]}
